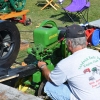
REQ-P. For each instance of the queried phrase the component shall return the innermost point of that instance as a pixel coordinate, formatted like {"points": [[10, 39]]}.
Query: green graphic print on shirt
{"points": [[88, 61], [94, 78]]}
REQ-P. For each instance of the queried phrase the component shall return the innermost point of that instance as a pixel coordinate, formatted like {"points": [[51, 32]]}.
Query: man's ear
{"points": [[69, 43]]}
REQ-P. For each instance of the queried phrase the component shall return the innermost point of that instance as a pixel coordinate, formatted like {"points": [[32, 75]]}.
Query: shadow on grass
{"points": [[42, 4], [66, 18]]}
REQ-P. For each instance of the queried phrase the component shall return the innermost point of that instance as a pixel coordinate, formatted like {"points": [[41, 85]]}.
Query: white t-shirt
{"points": [[82, 71]]}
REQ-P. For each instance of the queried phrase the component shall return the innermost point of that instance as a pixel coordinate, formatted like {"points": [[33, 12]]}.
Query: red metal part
{"points": [[15, 15], [23, 19], [88, 34]]}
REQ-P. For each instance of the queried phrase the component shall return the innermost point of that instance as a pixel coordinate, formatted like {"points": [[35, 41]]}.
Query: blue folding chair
{"points": [[77, 7]]}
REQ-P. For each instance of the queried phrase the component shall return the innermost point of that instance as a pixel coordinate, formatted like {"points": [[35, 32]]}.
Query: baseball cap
{"points": [[75, 31]]}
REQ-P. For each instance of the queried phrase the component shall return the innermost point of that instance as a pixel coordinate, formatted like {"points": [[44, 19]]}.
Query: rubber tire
{"points": [[8, 60], [40, 92], [41, 88]]}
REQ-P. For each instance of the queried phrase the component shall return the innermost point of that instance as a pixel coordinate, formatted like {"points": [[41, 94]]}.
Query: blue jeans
{"points": [[61, 92]]}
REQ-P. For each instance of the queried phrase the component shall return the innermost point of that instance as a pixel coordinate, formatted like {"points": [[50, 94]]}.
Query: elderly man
{"points": [[76, 77]]}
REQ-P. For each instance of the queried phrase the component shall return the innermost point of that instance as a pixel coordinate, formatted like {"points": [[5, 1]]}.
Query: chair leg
{"points": [[56, 5], [83, 16], [49, 3], [69, 16], [53, 6], [67, 13], [87, 14]]}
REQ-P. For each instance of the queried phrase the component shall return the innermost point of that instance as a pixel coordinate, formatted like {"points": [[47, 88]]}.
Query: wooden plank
{"points": [[8, 78], [9, 93], [13, 14]]}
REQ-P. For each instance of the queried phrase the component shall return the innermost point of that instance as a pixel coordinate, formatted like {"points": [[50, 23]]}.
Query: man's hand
{"points": [[42, 65]]}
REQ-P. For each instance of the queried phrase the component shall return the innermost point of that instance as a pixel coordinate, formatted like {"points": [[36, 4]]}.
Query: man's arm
{"points": [[56, 76], [42, 65]]}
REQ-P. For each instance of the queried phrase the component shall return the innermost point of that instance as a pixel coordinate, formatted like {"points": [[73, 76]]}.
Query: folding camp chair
{"points": [[51, 3], [78, 7]]}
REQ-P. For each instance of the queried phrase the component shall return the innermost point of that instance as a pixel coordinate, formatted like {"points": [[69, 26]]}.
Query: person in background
{"points": [[76, 77]]}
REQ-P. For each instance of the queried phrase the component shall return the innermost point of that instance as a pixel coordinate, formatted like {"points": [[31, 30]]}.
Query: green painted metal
{"points": [[64, 49], [29, 51], [11, 5], [48, 22], [18, 5], [49, 64], [4, 7], [36, 77], [5, 10], [2, 4], [27, 82], [46, 43], [43, 54], [47, 32]]}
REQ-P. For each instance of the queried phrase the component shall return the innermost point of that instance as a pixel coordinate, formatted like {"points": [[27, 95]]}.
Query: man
{"points": [[76, 77]]}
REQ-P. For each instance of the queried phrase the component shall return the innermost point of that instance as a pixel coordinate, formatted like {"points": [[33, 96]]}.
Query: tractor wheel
{"points": [[41, 88], [18, 5], [9, 45]]}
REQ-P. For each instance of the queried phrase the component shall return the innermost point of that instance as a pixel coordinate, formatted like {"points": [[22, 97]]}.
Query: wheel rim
{"points": [[18, 4], [6, 44]]}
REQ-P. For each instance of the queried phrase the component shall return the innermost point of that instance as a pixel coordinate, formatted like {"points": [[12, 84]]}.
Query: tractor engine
{"points": [[49, 43]]}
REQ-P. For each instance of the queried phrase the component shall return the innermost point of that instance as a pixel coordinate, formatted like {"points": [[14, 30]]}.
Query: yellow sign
{"points": [[52, 36]]}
